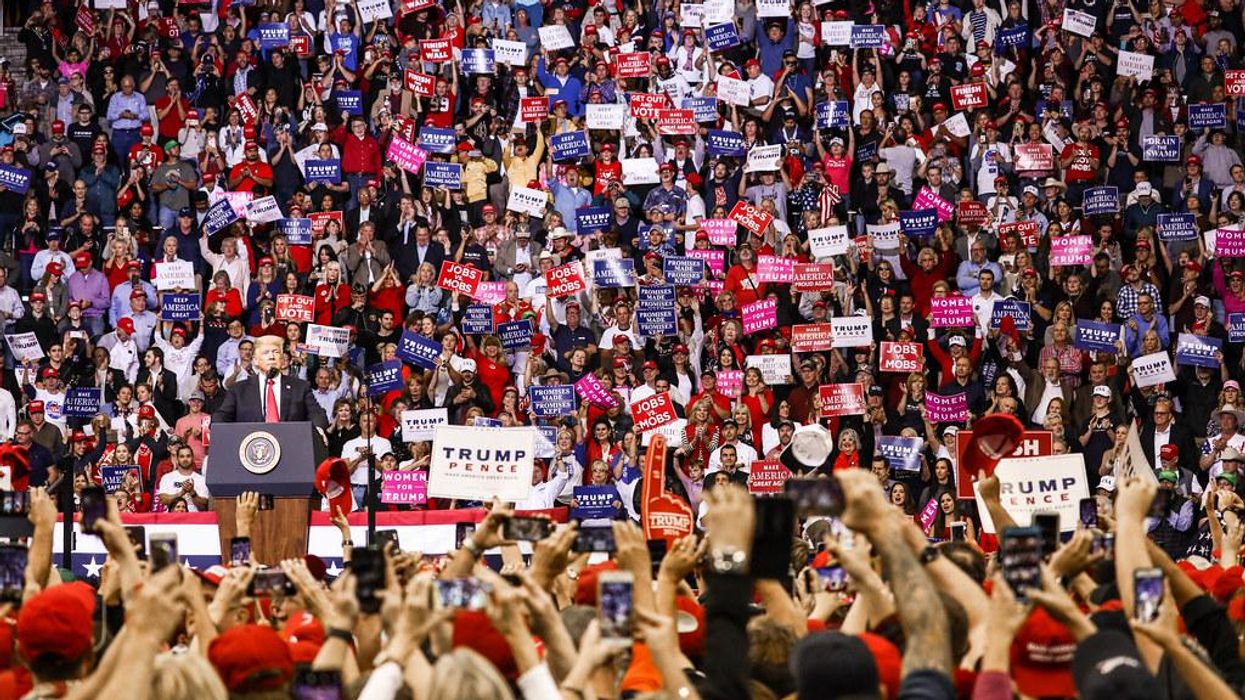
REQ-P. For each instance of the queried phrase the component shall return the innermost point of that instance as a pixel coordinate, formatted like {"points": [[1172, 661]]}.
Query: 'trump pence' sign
{"points": [[477, 463], [1040, 484]]}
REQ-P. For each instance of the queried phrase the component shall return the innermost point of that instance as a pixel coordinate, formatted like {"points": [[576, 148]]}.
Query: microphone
{"points": [[273, 373]]}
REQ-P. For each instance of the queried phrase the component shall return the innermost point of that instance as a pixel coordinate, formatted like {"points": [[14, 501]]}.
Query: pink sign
{"points": [[951, 312], [730, 382], [1071, 250], [721, 231], [404, 488], [841, 399], [1229, 243], [1034, 157], [946, 409], [715, 260], [812, 337], [406, 155], [772, 268], [928, 514], [591, 390], [490, 292], [928, 199], [760, 316], [901, 357]]}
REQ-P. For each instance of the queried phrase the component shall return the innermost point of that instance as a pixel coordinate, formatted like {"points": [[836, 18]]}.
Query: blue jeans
{"points": [[166, 217], [95, 323], [123, 140], [356, 181]]}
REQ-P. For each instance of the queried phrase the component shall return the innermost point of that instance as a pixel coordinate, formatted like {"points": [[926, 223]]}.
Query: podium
{"points": [[278, 459]]}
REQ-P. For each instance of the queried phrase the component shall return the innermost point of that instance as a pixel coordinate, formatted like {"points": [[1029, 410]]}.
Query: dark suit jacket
{"points": [[1181, 437], [297, 403], [376, 215]]}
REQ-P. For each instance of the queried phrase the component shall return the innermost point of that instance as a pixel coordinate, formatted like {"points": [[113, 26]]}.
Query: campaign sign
{"points": [[842, 399], [918, 223], [418, 350], [1034, 157], [614, 273], [868, 36], [1198, 350], [632, 65], [1096, 336], [329, 341], [646, 105], [774, 268], [704, 109], [299, 308], [296, 231], [1236, 328], [421, 84], [112, 477], [946, 409], [405, 155], [901, 357], [181, 307], [1153, 369], [456, 277], [1177, 227], [273, 35], [553, 401], [653, 412], [478, 320], [510, 53], [384, 377], [760, 316], [902, 454], [1234, 82], [569, 145], [1013, 37], [951, 312], [969, 96], [595, 503], [683, 271], [515, 335], [971, 213], [1021, 312], [813, 277], [590, 389], [477, 463], [440, 174], [1229, 243], [434, 140], [1208, 116], [655, 311], [218, 217], [833, 114], [812, 337], [721, 231], [593, 219], [726, 143], [828, 242], [404, 487], [490, 292], [767, 476], [1027, 230], [1071, 250], [179, 274], [83, 401], [436, 51], [852, 331], [349, 101], [479, 61], [329, 170], [1161, 148], [565, 280], [928, 199], [1101, 200], [1029, 485], [1034, 443], [533, 109], [721, 36], [751, 216], [676, 122]]}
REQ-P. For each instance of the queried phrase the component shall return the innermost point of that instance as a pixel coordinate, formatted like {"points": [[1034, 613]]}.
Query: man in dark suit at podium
{"points": [[269, 396]]}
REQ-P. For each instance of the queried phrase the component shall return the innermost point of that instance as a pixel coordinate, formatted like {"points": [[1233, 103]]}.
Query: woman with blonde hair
{"points": [[464, 674], [182, 675]]}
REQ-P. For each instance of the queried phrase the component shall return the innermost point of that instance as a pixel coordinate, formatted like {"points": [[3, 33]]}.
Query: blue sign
{"points": [[683, 271], [1177, 227], [918, 223], [181, 307], [1021, 313], [1198, 350], [866, 151], [383, 377], [1208, 116], [218, 217], [1101, 200], [436, 140], [515, 335], [1096, 336], [595, 503], [868, 36], [902, 454], [569, 145], [328, 171], [614, 273], [726, 143], [349, 101], [592, 219], [553, 401], [720, 37], [1161, 148], [1236, 328], [14, 178], [478, 320], [655, 310], [296, 231], [705, 109], [83, 401], [418, 350], [478, 61], [112, 477], [273, 35], [833, 114], [1013, 37], [440, 174]]}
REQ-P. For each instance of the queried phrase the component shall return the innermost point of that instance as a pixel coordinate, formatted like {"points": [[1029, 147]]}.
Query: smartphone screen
{"points": [[1048, 525], [268, 583], [1089, 513], [957, 531], [833, 578], [815, 496], [163, 550], [138, 538], [463, 532], [240, 551], [384, 537], [368, 565], [94, 507], [317, 685], [594, 539], [771, 539], [468, 593], [1147, 594], [616, 606], [527, 529], [1021, 549], [12, 572], [16, 503]]}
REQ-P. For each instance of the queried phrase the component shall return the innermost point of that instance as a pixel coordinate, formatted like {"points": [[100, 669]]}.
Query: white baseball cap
{"points": [[1107, 483], [1102, 390], [467, 366]]}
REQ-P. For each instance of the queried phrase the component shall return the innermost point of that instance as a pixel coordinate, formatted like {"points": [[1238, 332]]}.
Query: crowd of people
{"points": [[1030, 208]]}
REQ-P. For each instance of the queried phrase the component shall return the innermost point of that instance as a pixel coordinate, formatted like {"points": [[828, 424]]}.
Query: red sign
{"points": [[1035, 443], [633, 65], [246, 106], [419, 83], [767, 476], [665, 516], [812, 337], [646, 106], [814, 277], [456, 277], [168, 27], [972, 213], [85, 19], [653, 412], [404, 127], [1234, 82], [565, 280], [406, 7], [533, 109], [295, 307], [841, 399], [300, 44], [1027, 230], [436, 50], [320, 219], [751, 217], [901, 357], [969, 96], [676, 122], [1034, 156]]}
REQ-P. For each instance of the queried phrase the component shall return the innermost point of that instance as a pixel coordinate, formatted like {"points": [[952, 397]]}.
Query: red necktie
{"points": [[271, 414]]}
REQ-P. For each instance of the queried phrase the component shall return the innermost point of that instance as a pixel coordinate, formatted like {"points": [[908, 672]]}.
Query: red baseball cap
{"points": [[138, 293], [333, 482], [82, 260], [1169, 451], [50, 372], [1042, 657], [134, 265], [56, 268], [34, 407], [994, 437], [146, 130], [57, 622], [38, 296], [251, 658], [147, 412], [58, 127], [126, 324]]}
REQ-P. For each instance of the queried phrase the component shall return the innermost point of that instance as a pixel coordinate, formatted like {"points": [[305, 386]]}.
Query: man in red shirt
{"points": [[251, 172], [146, 153], [1080, 161], [361, 159], [171, 110]]}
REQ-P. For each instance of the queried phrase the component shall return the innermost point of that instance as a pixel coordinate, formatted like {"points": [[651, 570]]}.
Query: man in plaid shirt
{"points": [[1131, 291]]}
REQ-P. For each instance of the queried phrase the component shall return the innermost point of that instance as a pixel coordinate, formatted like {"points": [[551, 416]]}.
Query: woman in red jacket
{"points": [[930, 267], [332, 295], [742, 279], [222, 290]]}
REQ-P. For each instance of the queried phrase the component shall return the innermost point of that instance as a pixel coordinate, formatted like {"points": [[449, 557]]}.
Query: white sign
{"points": [[719, 11], [775, 369], [773, 8], [733, 91], [527, 200], [1152, 369], [477, 464], [829, 241], [511, 53], [1138, 65], [374, 10], [852, 331], [673, 431], [421, 425], [1028, 485], [1078, 22], [556, 37], [263, 210], [328, 341], [884, 236], [957, 125], [25, 346], [639, 171], [764, 158], [693, 15], [179, 274], [110, 4], [1134, 462], [837, 33], [609, 116]]}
